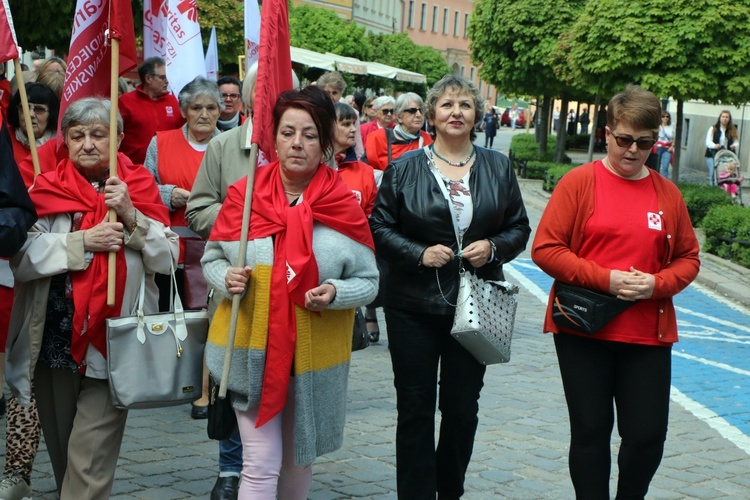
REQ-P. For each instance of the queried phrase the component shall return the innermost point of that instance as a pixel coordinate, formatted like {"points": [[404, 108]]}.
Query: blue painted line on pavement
{"points": [[715, 339]]}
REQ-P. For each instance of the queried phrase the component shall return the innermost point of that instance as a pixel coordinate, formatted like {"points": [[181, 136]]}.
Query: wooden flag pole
{"points": [[236, 298], [26, 115], [114, 76]]}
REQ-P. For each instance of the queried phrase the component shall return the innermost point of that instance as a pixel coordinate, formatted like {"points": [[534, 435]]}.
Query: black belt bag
{"points": [[584, 310]]}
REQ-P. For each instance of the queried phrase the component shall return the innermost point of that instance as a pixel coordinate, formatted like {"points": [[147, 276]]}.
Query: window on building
{"points": [[686, 132], [463, 71], [489, 91], [410, 19], [423, 17], [480, 86], [471, 74], [455, 24], [445, 21], [466, 25], [434, 18]]}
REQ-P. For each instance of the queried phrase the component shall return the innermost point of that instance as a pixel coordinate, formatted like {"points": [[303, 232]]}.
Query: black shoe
{"points": [[199, 412], [3, 406], [225, 488], [375, 334]]}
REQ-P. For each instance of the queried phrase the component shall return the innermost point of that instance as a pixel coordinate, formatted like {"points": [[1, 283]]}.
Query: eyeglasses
{"points": [[160, 77], [625, 141], [386, 111], [233, 97], [35, 108], [413, 111]]}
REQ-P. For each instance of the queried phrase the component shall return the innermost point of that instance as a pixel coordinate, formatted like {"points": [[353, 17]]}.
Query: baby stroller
{"points": [[728, 176]]}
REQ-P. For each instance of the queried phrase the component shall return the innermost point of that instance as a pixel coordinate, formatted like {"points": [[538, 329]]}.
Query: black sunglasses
{"points": [[413, 111], [386, 111], [625, 141]]}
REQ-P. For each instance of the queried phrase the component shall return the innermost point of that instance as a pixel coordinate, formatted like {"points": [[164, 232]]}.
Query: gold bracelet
{"points": [[134, 225]]}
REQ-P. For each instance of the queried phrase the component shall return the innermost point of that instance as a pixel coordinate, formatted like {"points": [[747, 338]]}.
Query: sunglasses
{"points": [[413, 111], [625, 141], [386, 111], [35, 108]]}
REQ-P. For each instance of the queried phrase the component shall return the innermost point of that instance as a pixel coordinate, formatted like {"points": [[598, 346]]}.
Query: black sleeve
{"points": [[17, 213]]}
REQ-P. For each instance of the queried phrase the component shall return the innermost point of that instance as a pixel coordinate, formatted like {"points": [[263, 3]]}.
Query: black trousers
{"points": [[637, 378], [419, 345]]}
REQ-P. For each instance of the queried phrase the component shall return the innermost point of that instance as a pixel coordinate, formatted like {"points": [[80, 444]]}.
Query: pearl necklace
{"points": [[451, 163]]}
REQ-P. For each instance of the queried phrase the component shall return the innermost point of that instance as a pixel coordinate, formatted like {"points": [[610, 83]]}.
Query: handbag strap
{"points": [[177, 309], [454, 219]]}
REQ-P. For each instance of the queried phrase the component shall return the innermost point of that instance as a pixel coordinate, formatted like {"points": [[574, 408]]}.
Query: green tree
{"points": [[35, 29], [228, 17], [321, 30], [400, 51], [705, 53], [511, 43]]}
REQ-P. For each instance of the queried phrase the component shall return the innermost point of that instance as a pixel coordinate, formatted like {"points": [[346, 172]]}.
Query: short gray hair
{"points": [[199, 86], [248, 86], [382, 101], [403, 102], [87, 111], [457, 85]]}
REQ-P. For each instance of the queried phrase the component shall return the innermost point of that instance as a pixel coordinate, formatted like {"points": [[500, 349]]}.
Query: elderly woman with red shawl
{"points": [[57, 326], [310, 262]]}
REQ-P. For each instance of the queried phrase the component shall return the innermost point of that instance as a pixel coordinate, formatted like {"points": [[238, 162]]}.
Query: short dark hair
{"points": [[317, 103], [344, 111], [38, 93], [229, 80], [635, 106], [148, 66]]}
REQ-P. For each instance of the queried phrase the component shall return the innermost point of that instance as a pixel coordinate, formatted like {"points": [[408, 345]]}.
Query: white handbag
{"points": [[156, 360], [484, 319]]}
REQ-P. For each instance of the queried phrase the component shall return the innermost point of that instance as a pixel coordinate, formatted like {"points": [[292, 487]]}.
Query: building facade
{"points": [[442, 24]]}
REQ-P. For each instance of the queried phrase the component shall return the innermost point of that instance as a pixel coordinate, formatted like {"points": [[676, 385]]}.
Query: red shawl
{"points": [[295, 271], [65, 190]]}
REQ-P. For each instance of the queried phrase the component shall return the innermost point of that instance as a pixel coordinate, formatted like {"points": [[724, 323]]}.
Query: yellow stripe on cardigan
{"points": [[323, 340]]}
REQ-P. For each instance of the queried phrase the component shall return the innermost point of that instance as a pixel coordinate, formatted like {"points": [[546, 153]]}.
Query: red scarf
{"points": [[65, 190], [326, 200]]}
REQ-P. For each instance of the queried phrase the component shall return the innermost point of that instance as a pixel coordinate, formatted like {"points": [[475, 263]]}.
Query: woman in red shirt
{"points": [[614, 226]]}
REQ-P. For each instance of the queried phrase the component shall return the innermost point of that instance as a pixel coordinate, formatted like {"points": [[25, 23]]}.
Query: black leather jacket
{"points": [[412, 214], [17, 213]]}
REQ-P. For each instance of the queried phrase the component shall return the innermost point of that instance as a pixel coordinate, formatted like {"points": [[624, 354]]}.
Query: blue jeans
{"points": [[663, 157], [230, 453], [430, 365], [711, 174]]}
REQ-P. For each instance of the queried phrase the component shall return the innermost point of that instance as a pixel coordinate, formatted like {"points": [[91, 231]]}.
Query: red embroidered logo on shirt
{"points": [[654, 221], [169, 111]]}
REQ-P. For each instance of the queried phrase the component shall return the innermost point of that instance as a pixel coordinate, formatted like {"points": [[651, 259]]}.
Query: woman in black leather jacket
{"points": [[414, 232]]}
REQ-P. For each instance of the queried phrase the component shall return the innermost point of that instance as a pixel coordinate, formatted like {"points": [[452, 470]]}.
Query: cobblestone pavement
{"points": [[520, 450]]}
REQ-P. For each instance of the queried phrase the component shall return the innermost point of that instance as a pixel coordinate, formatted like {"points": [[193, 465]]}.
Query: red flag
{"points": [[121, 28], [89, 58], [274, 72], [8, 42]]}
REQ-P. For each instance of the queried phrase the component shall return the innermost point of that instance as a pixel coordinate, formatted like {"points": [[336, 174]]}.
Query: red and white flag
{"points": [[154, 39], [274, 72], [173, 28], [8, 42], [90, 55], [252, 32], [212, 57]]}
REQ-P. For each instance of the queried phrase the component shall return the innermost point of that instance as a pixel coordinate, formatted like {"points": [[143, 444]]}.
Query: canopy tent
{"points": [[331, 62], [385, 71]]}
